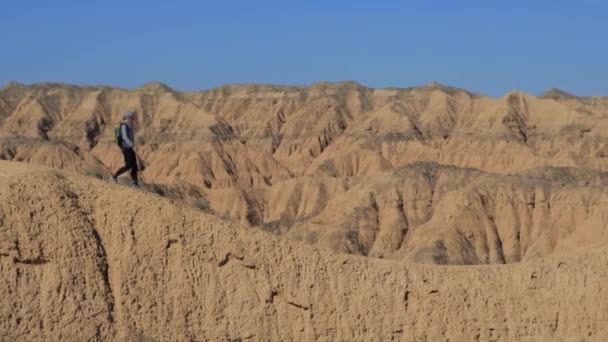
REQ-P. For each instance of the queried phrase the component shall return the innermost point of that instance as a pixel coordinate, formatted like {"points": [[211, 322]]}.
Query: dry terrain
{"points": [[432, 174], [331, 212], [84, 260]]}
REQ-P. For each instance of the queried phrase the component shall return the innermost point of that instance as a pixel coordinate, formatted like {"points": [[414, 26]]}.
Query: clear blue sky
{"points": [[489, 47]]}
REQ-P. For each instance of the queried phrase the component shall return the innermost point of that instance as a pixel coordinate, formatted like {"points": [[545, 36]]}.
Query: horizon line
{"points": [[432, 84]]}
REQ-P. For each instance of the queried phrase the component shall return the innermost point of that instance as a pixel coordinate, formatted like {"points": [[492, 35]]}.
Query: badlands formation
{"points": [[256, 195]]}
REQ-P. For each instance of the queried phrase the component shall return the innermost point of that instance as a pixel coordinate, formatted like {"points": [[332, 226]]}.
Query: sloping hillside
{"points": [[432, 174], [85, 260]]}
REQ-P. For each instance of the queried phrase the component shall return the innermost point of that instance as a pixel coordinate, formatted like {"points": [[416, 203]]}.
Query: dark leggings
{"points": [[130, 164]]}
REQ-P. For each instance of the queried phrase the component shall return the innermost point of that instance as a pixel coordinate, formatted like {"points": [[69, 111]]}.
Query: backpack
{"points": [[118, 134]]}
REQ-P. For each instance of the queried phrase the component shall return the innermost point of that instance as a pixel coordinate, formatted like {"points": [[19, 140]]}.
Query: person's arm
{"points": [[125, 137]]}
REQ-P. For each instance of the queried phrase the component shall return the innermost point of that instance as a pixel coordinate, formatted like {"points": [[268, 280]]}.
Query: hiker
{"points": [[125, 139]]}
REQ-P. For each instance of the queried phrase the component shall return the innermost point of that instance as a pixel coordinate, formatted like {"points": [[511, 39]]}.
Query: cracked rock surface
{"points": [[84, 260]]}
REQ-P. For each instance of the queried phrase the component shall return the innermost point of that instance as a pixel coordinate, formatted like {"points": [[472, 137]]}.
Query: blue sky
{"points": [[489, 47]]}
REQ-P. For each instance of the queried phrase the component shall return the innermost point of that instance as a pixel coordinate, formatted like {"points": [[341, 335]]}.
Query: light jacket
{"points": [[126, 130]]}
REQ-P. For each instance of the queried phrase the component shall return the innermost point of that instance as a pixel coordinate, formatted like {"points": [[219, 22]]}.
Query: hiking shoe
{"points": [[113, 179], [135, 185]]}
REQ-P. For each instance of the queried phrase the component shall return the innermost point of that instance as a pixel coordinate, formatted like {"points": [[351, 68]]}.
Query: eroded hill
{"points": [[85, 260], [434, 174]]}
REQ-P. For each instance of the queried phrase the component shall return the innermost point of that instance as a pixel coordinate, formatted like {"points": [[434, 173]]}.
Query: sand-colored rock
{"points": [[84, 260], [433, 174]]}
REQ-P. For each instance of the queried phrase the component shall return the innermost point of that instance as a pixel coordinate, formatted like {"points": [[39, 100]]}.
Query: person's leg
{"points": [[127, 166], [134, 175], [132, 164]]}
